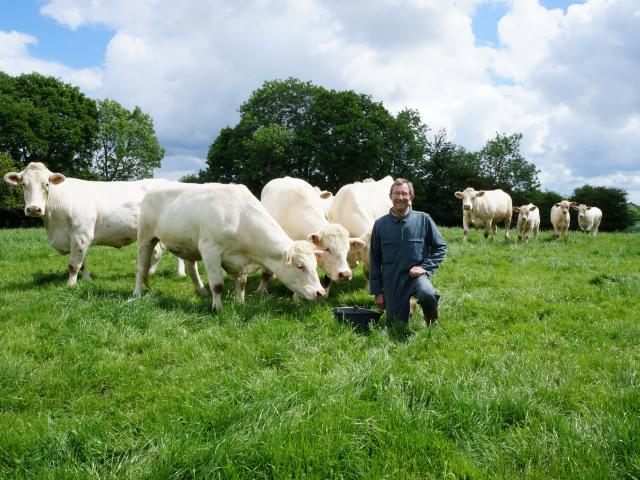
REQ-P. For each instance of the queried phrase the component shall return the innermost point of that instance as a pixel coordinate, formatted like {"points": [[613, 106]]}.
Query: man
{"points": [[406, 248]]}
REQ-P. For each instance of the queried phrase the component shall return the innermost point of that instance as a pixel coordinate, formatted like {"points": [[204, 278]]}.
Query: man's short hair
{"points": [[402, 181]]}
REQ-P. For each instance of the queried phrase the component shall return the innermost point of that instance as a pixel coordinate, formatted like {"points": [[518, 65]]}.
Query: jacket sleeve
{"points": [[375, 262], [437, 248]]}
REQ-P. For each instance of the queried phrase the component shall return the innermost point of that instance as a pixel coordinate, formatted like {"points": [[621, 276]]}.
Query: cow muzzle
{"points": [[466, 207], [33, 211], [344, 276]]}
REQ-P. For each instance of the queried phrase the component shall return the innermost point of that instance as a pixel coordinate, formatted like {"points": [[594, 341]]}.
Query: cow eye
{"points": [[328, 250], [300, 267]]}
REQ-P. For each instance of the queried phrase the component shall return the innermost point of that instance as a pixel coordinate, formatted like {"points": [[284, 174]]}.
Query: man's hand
{"points": [[416, 271], [380, 301]]}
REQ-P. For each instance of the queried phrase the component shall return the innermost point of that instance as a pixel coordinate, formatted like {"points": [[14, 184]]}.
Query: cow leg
{"points": [[494, 230], [240, 284], [192, 270], [487, 227], [265, 276], [180, 267], [79, 246], [365, 272], [507, 226], [145, 251], [86, 276], [465, 228], [213, 265], [155, 257]]}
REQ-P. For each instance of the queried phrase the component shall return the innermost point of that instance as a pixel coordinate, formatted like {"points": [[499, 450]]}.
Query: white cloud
{"points": [[566, 80], [15, 59]]}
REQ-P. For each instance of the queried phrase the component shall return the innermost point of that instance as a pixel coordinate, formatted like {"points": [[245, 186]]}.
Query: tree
{"points": [[444, 169], [126, 145], [325, 137], [502, 162], [612, 202], [45, 120]]}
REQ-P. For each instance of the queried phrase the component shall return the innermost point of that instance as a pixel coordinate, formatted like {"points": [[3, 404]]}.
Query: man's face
{"points": [[400, 197]]}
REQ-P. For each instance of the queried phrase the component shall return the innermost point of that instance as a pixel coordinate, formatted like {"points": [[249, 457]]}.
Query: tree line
{"points": [[287, 127]]}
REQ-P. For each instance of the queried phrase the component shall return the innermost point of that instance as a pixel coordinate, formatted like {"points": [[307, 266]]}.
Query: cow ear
{"points": [[480, 193], [572, 203], [326, 194], [56, 178], [574, 207], [356, 244], [532, 207], [516, 209], [13, 178], [287, 256], [314, 238], [459, 195], [588, 208], [557, 205]]}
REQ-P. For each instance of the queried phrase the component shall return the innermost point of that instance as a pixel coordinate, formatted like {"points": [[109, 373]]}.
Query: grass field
{"points": [[533, 371]]}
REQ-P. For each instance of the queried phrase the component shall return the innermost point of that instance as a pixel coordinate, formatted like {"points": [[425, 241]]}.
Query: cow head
{"points": [[298, 270], [334, 243], [565, 206], [36, 180], [524, 212], [468, 197], [582, 210]]}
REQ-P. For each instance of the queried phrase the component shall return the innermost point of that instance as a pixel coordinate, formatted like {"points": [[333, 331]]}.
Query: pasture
{"points": [[532, 372]]}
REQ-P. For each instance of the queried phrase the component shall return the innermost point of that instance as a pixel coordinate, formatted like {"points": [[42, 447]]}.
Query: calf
{"points": [[79, 213], [485, 208], [589, 218], [561, 218], [528, 221], [227, 228]]}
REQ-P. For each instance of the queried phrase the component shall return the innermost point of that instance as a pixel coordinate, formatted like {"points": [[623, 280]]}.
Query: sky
{"points": [[563, 73]]}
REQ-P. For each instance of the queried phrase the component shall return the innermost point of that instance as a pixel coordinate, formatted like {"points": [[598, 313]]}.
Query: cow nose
{"points": [[320, 293], [467, 207], [33, 211], [344, 275]]}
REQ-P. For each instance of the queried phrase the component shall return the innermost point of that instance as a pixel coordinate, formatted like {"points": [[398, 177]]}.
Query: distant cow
{"points": [[485, 208], [356, 207], [589, 218], [528, 221], [227, 228], [561, 217], [299, 210], [79, 213]]}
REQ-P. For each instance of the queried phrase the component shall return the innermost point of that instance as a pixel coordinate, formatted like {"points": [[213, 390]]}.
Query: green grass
{"points": [[532, 373]]}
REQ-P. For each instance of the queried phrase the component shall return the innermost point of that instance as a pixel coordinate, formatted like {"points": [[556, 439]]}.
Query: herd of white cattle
{"points": [[290, 231], [488, 208]]}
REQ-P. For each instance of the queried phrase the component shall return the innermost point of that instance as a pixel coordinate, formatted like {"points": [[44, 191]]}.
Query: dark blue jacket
{"points": [[397, 245]]}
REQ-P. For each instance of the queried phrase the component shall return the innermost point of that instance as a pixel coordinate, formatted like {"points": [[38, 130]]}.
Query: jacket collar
{"points": [[398, 218]]}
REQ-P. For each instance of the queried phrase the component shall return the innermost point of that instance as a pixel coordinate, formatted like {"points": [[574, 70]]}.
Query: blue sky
{"points": [[562, 72]]}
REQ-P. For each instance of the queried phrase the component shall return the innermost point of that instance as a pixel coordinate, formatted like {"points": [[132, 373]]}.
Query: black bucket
{"points": [[359, 317]]}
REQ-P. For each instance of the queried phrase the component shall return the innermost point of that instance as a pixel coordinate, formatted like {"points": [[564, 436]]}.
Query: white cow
{"points": [[356, 207], [79, 213], [589, 218], [326, 198], [485, 208], [528, 221], [227, 228], [299, 210], [560, 217]]}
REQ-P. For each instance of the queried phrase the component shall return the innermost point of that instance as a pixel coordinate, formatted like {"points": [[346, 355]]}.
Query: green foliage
{"points": [[504, 165], [326, 137], [45, 120], [532, 372], [126, 145], [612, 202]]}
